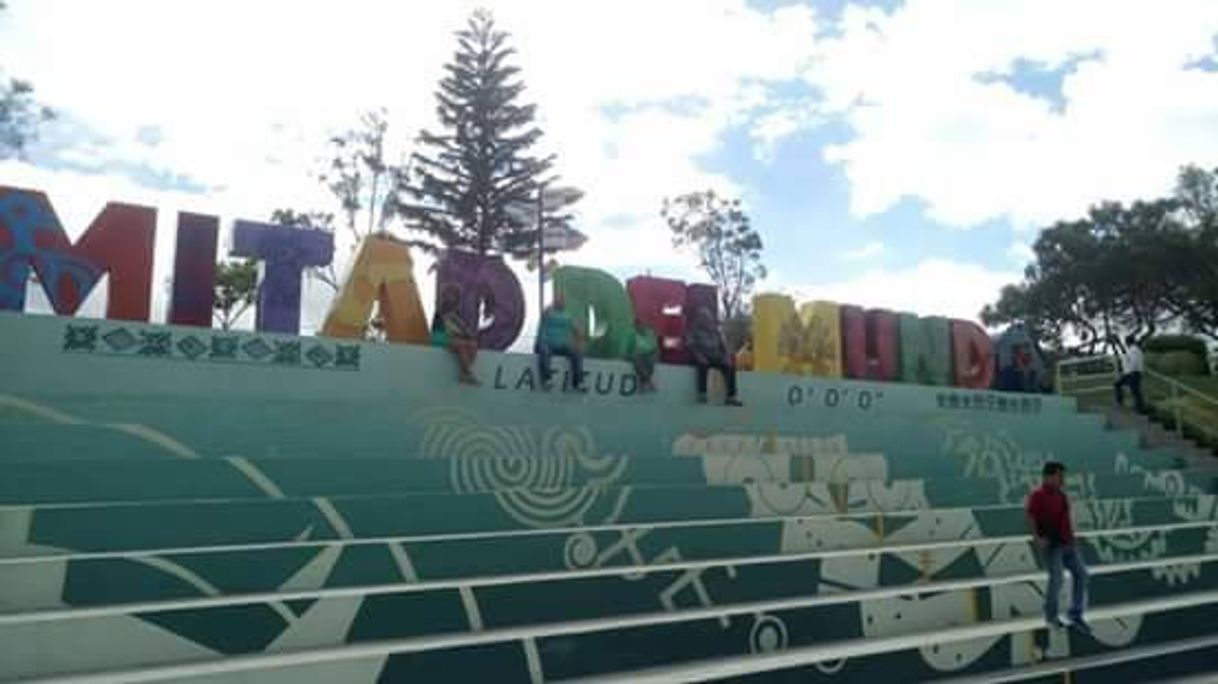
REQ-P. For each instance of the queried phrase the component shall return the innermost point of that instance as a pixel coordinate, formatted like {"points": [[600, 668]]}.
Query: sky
{"points": [[891, 153]]}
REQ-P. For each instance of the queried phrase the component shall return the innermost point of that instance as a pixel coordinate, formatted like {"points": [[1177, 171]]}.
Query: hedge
{"points": [[1176, 343]]}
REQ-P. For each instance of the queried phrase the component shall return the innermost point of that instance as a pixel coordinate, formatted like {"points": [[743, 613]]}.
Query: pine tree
{"points": [[471, 180]]}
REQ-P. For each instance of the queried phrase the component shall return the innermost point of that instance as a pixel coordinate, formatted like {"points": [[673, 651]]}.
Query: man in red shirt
{"points": [[1048, 513]]}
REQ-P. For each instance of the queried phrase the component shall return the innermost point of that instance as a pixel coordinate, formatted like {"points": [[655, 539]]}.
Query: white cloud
{"points": [[925, 126], [868, 251], [240, 97], [938, 287], [1021, 252], [777, 124]]}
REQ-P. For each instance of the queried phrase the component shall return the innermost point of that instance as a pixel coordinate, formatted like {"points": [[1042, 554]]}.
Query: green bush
{"points": [[1177, 363], [1177, 355], [1176, 343]]}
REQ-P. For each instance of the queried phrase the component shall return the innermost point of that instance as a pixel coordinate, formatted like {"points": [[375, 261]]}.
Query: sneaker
{"points": [[732, 401], [1055, 623], [1080, 624]]}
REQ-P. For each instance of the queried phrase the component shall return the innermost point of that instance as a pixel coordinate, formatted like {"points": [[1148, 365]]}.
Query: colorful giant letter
{"points": [[771, 315], [870, 344], [925, 350], [118, 242], [194, 271], [287, 252], [382, 272], [803, 342], [972, 357], [660, 303], [590, 290], [487, 289], [1020, 363]]}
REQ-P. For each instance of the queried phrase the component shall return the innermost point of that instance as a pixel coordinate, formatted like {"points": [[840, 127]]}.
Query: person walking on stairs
{"points": [[1048, 516], [1132, 366]]}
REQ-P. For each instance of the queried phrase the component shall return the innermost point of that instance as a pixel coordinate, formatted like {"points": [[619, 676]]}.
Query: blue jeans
{"points": [[1134, 382], [545, 351], [1057, 557]]}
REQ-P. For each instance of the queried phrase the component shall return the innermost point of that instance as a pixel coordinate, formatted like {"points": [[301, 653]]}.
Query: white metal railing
{"points": [[1079, 369], [1108, 371]]}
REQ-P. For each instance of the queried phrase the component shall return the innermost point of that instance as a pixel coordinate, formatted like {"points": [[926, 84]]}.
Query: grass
{"points": [[1198, 417]]}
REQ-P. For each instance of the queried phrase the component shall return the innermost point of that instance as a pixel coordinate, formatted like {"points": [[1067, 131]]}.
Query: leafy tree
{"points": [[236, 286], [1123, 269], [312, 220], [20, 115], [728, 247], [361, 181], [1197, 192], [1196, 271], [471, 178]]}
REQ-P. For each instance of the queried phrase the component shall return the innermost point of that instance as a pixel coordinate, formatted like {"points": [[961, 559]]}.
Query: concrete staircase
{"points": [[168, 513], [1155, 436]]}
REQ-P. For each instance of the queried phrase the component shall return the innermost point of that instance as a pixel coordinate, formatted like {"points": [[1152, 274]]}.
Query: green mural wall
{"points": [[191, 495]]}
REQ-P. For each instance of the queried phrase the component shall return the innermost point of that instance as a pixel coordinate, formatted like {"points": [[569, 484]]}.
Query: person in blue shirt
{"points": [[558, 335]]}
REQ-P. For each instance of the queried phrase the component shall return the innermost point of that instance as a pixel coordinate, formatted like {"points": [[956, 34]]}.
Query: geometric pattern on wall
{"points": [[116, 339]]}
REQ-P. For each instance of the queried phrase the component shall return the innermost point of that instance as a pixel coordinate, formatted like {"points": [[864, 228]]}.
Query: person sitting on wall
{"points": [[644, 350], [1048, 520], [1132, 366], [707, 349], [1011, 376], [450, 332], [557, 335], [744, 357], [1023, 368]]}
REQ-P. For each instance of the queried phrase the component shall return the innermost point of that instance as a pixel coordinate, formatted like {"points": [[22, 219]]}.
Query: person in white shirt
{"points": [[1131, 375]]}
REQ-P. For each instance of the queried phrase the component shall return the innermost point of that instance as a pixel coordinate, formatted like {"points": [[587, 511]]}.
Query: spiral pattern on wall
{"points": [[542, 477]]}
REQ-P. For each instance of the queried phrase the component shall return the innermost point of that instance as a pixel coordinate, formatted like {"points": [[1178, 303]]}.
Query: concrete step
{"points": [[53, 483], [38, 530], [988, 650], [1155, 435], [459, 433], [1167, 661], [146, 582], [859, 636], [89, 580]]}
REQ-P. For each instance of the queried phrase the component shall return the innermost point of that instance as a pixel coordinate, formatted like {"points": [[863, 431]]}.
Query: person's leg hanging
{"points": [[543, 364], [576, 361], [1053, 565], [1073, 561]]}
